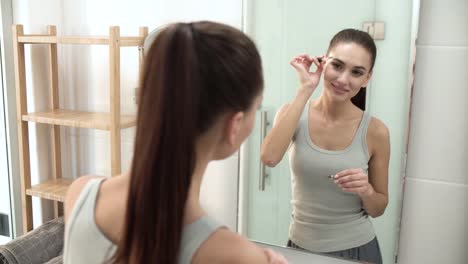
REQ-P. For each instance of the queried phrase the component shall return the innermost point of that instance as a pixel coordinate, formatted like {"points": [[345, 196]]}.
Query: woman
{"points": [[201, 85], [339, 154]]}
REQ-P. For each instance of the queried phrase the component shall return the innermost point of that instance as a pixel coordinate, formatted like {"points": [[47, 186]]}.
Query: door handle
{"points": [[263, 129]]}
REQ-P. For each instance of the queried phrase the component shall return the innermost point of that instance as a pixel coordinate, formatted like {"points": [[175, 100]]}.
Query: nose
{"points": [[343, 78]]}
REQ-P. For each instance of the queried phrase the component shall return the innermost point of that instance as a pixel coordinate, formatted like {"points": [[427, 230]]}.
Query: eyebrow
{"points": [[356, 67]]}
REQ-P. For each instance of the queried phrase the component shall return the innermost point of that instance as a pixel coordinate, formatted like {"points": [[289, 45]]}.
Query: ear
{"points": [[368, 77], [233, 127]]}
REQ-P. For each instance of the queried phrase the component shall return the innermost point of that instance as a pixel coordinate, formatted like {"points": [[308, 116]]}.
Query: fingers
{"points": [[319, 68], [298, 64], [303, 62], [351, 177], [275, 258], [348, 172], [318, 62], [353, 184], [352, 180], [307, 61]]}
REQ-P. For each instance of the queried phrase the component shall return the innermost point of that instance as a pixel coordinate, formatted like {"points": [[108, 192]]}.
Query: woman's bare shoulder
{"points": [[377, 130], [74, 192], [378, 137]]}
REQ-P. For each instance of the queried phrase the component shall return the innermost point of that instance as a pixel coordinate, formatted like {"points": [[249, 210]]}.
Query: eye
{"points": [[337, 66], [357, 73]]}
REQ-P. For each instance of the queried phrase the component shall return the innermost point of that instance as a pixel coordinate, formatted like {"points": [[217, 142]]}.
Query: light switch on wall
{"points": [[375, 29], [379, 30]]}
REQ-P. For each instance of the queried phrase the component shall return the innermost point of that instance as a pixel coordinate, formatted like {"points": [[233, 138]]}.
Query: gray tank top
{"points": [[324, 217], [85, 243]]}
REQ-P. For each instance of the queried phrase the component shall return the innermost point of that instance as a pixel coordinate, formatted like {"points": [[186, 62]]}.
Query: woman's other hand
{"points": [[274, 257], [354, 181]]}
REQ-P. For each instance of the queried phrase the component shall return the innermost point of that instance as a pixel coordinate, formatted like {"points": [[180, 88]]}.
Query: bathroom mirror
{"points": [[285, 28]]}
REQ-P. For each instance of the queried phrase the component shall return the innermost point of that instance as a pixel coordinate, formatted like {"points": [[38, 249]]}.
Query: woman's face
{"points": [[347, 70]]}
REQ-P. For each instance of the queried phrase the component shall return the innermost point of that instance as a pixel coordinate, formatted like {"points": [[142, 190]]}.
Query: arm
{"points": [[74, 192], [373, 187], [277, 141], [225, 246], [377, 199]]}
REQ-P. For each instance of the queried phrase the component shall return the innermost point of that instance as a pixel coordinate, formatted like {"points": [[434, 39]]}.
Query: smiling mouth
{"points": [[339, 90]]}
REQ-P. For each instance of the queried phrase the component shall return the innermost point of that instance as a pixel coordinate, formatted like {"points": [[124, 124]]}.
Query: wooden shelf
{"points": [[55, 190], [78, 119], [111, 120], [94, 40]]}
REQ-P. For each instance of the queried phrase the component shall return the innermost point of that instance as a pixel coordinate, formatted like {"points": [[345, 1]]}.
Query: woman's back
{"points": [[95, 218], [201, 84]]}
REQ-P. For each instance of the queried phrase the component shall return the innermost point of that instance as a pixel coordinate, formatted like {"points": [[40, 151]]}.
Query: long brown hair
{"points": [[367, 42], [193, 73]]}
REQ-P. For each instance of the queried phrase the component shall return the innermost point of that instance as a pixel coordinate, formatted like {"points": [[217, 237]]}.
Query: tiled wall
{"points": [[435, 210]]}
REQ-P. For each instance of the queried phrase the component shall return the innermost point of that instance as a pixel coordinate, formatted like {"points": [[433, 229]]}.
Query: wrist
{"points": [[369, 192], [303, 95]]}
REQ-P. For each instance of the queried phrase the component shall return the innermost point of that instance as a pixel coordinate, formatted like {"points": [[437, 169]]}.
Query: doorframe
{"points": [[243, 182], [9, 98], [415, 18]]}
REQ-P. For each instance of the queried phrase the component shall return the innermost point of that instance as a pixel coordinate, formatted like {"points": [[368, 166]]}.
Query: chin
{"points": [[335, 96]]}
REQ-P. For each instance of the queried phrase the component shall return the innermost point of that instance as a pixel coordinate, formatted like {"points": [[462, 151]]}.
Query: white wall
{"points": [[84, 79], [435, 212], [4, 184]]}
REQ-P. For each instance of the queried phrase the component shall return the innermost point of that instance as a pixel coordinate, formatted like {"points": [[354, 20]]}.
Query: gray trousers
{"points": [[369, 252]]}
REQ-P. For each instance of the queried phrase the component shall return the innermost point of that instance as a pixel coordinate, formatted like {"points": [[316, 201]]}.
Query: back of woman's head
{"points": [[364, 40], [194, 72]]}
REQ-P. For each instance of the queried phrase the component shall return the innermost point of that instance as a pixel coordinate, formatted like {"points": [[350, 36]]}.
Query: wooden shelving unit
{"points": [[81, 119], [56, 187]]}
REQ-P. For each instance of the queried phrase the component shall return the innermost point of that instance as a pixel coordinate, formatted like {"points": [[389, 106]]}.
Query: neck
{"points": [[333, 110], [193, 209]]}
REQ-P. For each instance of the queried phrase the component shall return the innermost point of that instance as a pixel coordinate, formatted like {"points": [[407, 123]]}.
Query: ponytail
{"points": [[166, 132], [181, 98], [359, 99]]}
